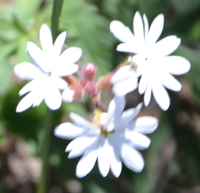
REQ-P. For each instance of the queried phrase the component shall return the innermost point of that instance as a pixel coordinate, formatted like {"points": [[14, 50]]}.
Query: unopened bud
{"points": [[83, 82], [90, 89], [104, 83], [72, 94], [71, 80], [89, 71]]}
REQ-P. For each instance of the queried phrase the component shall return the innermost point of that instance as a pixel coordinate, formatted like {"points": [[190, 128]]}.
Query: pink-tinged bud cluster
{"points": [[87, 85]]}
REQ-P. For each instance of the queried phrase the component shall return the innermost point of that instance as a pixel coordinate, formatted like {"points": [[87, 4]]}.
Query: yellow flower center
{"points": [[106, 133], [97, 116], [96, 121]]}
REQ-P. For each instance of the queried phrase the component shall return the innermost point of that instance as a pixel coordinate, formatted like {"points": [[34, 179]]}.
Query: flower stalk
{"points": [[42, 185], [57, 7]]}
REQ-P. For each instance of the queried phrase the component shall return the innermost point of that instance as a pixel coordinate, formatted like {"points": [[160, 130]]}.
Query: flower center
{"points": [[97, 116], [97, 120], [106, 133]]}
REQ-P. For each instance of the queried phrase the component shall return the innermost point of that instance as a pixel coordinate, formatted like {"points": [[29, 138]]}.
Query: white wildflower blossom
{"points": [[49, 65], [113, 138], [151, 61]]}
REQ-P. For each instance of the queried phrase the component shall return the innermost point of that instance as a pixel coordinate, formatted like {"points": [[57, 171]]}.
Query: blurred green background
{"points": [[173, 159]]}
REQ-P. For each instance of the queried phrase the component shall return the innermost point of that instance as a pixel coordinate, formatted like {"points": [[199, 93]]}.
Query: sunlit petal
{"points": [[155, 29], [176, 65], [87, 162], [59, 42], [70, 55], [121, 32], [68, 131], [132, 158], [104, 157], [46, 40], [146, 124], [27, 71], [161, 96]]}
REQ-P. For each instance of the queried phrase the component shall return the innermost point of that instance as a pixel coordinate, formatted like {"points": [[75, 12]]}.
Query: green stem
{"points": [[42, 185], [57, 7]]}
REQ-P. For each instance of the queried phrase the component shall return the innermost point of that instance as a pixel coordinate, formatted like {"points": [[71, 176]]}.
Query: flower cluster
{"points": [[151, 68], [116, 135], [46, 72]]}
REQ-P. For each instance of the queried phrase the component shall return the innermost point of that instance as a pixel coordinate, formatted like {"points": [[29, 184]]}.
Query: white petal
{"points": [[79, 146], [129, 47], [123, 87], [138, 27], [83, 141], [26, 102], [65, 69], [146, 124], [130, 114], [115, 162], [123, 73], [161, 96], [70, 55], [59, 82], [38, 57], [176, 65], [68, 131], [116, 106], [27, 71], [53, 98], [104, 157], [132, 158], [146, 27], [165, 46], [155, 29], [104, 119], [147, 95], [30, 86], [81, 122], [115, 109], [143, 83], [137, 140], [121, 32], [170, 82], [46, 40], [87, 162], [60, 40]]}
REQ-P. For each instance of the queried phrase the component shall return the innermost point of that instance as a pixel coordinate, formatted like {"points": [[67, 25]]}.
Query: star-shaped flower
{"points": [[151, 61], [49, 65], [114, 138]]}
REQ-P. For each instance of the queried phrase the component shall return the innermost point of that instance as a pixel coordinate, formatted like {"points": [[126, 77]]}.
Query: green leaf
{"points": [[89, 31]]}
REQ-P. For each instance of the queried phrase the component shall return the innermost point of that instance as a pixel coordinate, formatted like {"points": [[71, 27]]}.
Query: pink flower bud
{"points": [[89, 71], [72, 94], [83, 82], [104, 83], [90, 89]]}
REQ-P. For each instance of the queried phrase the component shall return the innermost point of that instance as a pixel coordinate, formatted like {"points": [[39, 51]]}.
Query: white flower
{"points": [[151, 60], [49, 65], [113, 139]]}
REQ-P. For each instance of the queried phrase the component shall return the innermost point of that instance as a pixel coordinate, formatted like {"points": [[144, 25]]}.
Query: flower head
{"points": [[151, 61], [113, 138], [49, 65]]}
